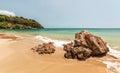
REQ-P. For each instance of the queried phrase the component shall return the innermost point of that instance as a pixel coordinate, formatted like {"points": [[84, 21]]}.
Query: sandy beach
{"points": [[16, 57]]}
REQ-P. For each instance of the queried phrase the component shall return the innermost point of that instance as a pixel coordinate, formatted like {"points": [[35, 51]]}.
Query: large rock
{"points": [[94, 43], [45, 48], [85, 45]]}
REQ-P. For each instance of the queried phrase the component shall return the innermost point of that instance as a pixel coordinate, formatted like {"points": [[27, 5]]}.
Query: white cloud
{"points": [[7, 13]]}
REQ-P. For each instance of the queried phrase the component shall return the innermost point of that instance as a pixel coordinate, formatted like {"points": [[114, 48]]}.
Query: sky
{"points": [[67, 13]]}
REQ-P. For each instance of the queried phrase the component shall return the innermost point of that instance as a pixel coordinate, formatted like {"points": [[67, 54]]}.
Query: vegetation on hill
{"points": [[7, 22]]}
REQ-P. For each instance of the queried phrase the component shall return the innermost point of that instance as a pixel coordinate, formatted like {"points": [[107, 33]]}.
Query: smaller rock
{"points": [[45, 48]]}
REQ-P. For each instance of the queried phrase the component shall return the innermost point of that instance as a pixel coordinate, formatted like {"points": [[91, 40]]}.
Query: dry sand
{"points": [[16, 57]]}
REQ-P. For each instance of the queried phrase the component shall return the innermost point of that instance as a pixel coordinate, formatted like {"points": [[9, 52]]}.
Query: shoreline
{"points": [[18, 58]]}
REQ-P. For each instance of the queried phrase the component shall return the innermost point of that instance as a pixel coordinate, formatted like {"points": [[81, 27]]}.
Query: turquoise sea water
{"points": [[110, 35]]}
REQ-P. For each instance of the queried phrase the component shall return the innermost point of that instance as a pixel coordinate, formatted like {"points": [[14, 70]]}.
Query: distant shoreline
{"points": [[15, 22]]}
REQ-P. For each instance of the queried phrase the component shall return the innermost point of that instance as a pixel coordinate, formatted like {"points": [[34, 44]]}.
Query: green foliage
{"points": [[18, 23]]}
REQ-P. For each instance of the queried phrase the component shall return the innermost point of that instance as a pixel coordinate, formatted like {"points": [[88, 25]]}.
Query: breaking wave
{"points": [[113, 66], [113, 52], [57, 43]]}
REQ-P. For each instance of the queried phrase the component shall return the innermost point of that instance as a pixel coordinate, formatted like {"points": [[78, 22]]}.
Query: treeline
{"points": [[7, 22]]}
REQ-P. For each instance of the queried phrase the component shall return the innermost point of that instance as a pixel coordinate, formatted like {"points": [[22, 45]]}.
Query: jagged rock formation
{"points": [[85, 45], [45, 48]]}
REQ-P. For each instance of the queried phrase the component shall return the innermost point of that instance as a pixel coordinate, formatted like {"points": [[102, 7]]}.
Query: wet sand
{"points": [[16, 56]]}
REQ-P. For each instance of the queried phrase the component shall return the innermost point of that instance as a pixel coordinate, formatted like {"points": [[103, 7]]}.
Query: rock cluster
{"points": [[45, 48], [85, 45]]}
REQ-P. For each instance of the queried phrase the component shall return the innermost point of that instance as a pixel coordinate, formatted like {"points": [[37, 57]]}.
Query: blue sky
{"points": [[68, 13]]}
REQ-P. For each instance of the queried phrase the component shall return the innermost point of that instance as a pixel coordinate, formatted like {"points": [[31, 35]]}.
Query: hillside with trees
{"points": [[10, 22]]}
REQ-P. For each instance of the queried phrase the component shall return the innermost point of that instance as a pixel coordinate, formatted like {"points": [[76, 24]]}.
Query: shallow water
{"points": [[110, 35]]}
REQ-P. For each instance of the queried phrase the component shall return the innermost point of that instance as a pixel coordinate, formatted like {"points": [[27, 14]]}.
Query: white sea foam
{"points": [[57, 43], [113, 52], [113, 64]]}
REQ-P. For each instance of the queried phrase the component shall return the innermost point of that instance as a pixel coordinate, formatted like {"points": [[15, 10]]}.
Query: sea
{"points": [[62, 36], [109, 35]]}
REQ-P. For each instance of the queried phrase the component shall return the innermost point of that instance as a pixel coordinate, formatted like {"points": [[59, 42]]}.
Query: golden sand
{"points": [[16, 57]]}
